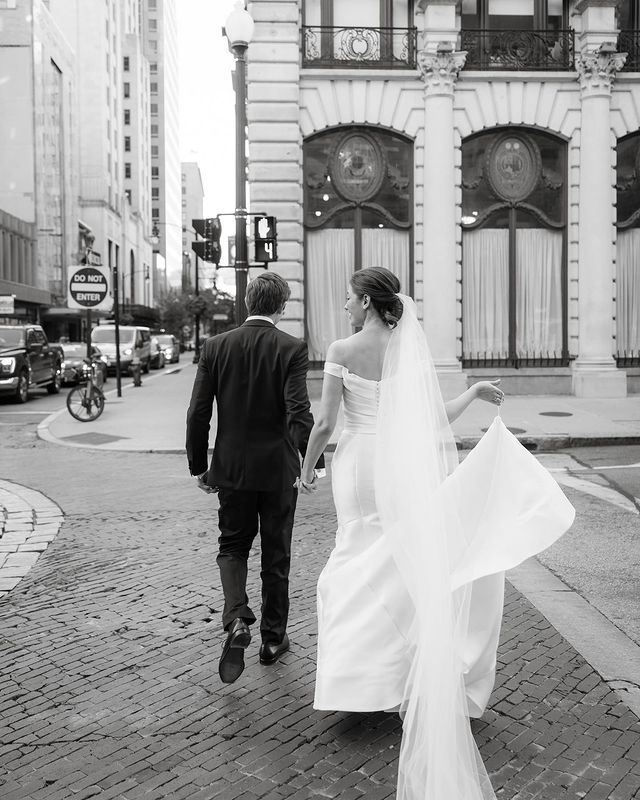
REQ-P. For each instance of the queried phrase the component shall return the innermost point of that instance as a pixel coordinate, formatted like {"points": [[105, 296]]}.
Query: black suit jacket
{"points": [[257, 375]]}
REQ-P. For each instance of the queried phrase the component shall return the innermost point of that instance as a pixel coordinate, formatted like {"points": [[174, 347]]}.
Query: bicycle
{"points": [[86, 402]]}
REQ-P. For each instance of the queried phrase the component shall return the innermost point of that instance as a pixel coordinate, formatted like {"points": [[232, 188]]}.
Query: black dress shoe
{"points": [[270, 652], [231, 664]]}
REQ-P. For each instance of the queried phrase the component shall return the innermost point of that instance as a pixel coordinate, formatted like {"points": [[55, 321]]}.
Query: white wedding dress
{"points": [[410, 600]]}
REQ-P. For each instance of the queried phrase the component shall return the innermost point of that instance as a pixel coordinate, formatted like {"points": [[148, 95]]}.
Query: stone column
{"points": [[439, 70], [594, 372]]}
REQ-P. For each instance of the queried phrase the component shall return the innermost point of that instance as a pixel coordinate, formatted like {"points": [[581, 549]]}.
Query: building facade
{"points": [[192, 208], [76, 156], [161, 36], [113, 142], [487, 151], [38, 161]]}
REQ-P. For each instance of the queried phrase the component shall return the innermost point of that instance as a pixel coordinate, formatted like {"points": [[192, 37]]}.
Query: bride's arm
{"points": [[326, 418], [484, 390]]}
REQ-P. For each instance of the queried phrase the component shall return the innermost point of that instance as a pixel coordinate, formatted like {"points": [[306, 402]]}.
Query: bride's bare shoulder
{"points": [[337, 351]]}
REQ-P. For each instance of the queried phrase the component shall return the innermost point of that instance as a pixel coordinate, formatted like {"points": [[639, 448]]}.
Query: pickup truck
{"points": [[28, 360]]}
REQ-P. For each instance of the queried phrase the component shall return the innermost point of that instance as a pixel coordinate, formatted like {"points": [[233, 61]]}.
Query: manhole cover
{"points": [[515, 431], [556, 414], [94, 438]]}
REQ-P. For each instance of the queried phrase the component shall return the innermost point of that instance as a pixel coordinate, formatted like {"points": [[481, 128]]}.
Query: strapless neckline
{"points": [[359, 377]]}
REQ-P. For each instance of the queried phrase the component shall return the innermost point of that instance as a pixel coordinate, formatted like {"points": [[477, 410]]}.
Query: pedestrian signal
{"points": [[265, 239]]}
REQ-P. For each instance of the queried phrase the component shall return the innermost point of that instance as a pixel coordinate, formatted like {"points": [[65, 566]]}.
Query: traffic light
{"points": [[208, 249], [265, 239]]}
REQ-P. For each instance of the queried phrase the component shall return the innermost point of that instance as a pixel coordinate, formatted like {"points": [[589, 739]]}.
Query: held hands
{"points": [[307, 487], [202, 484], [489, 392]]}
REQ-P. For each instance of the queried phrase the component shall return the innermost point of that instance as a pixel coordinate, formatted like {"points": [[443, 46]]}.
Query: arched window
{"points": [[628, 252], [514, 282], [358, 204]]}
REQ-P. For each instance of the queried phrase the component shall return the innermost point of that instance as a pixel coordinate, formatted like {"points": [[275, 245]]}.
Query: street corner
{"points": [[29, 522]]}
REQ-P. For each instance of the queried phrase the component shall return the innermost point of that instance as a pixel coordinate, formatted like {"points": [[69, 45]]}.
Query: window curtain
{"points": [[485, 293], [628, 291], [330, 260], [385, 247], [538, 292]]}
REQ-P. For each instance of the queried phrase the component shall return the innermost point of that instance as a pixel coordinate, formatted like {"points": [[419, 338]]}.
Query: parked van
{"points": [[135, 344]]}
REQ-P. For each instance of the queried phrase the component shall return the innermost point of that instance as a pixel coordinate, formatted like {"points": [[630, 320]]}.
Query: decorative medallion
{"points": [[357, 167], [513, 167]]}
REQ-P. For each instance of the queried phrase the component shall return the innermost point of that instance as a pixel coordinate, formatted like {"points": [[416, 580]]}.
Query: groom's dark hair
{"points": [[266, 294]]}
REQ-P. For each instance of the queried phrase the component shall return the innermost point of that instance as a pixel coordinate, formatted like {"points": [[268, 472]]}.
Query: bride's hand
{"points": [[489, 391]]}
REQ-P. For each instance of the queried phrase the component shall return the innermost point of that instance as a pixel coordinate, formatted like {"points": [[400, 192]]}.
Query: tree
{"points": [[174, 314], [178, 312]]}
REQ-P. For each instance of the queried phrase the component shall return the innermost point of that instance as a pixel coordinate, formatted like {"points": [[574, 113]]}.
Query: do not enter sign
{"points": [[89, 288]]}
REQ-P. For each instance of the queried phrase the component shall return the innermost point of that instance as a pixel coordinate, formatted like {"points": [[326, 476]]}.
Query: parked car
{"points": [[135, 344], [26, 360], [74, 356], [170, 347], [157, 354]]}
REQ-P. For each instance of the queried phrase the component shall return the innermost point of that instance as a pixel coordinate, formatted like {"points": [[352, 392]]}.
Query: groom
{"points": [[257, 376]]}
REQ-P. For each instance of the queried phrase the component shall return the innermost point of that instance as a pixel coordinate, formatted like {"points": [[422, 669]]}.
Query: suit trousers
{"points": [[241, 516]]}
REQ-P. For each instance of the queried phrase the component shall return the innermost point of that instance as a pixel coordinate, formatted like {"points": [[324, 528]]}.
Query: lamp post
{"points": [[239, 30]]}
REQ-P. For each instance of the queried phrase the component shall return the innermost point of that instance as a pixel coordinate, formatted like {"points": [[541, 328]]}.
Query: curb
{"points": [[546, 444]]}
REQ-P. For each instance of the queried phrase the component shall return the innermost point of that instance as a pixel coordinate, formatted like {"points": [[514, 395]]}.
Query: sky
{"points": [[207, 102]]}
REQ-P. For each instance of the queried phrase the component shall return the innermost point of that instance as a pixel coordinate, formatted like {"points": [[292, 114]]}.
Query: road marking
{"points": [[26, 412], [605, 493], [564, 467], [595, 469]]}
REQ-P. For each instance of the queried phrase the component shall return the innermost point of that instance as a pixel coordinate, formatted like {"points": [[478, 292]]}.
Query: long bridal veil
{"points": [[441, 547]]}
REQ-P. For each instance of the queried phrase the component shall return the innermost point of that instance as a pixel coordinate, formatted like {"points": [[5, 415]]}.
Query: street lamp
{"points": [[239, 30]]}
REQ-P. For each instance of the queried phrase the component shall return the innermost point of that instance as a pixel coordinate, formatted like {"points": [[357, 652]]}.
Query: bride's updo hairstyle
{"points": [[382, 287]]}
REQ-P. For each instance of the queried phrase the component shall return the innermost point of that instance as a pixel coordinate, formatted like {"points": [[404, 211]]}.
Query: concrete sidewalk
{"points": [[151, 418]]}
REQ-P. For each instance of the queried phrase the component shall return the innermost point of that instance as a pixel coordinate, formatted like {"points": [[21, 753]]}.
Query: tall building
{"points": [[81, 127], [138, 287], [192, 208], [39, 228], [487, 151], [161, 35], [114, 134]]}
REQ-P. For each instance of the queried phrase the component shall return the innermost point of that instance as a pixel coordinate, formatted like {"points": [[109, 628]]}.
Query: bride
{"points": [[410, 601]]}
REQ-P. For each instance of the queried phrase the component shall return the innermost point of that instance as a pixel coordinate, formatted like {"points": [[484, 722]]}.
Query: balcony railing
{"points": [[630, 359], [629, 42], [518, 50], [491, 360], [373, 48]]}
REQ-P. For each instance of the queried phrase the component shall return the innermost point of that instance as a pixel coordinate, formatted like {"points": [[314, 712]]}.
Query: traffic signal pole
{"points": [[241, 264], [116, 320], [196, 352]]}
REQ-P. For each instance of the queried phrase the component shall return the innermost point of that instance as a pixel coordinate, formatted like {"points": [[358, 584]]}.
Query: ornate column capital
{"points": [[597, 70], [439, 70]]}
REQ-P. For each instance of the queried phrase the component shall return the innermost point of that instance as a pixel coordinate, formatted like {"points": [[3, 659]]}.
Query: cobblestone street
{"points": [[109, 655]]}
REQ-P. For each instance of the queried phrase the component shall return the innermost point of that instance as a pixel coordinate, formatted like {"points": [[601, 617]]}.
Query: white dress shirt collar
{"points": [[259, 316]]}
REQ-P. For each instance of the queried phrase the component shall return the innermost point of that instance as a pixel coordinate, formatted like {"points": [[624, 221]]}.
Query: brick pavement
{"points": [[109, 686]]}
